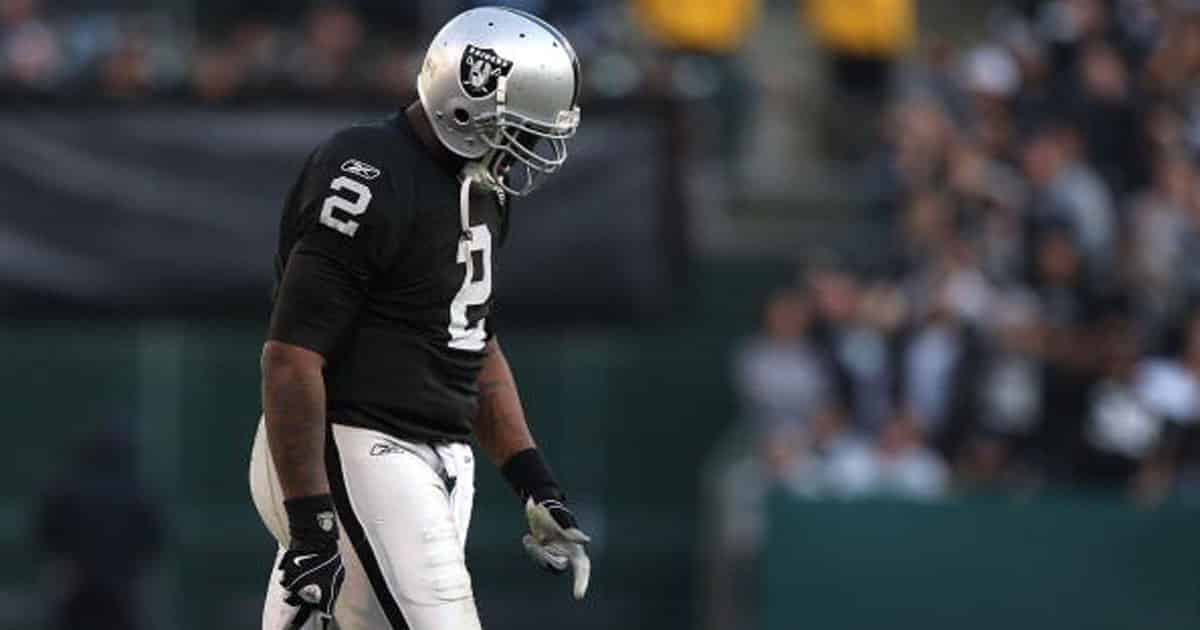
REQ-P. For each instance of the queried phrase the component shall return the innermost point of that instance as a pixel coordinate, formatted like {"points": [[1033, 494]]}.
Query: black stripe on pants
{"points": [[358, 537]]}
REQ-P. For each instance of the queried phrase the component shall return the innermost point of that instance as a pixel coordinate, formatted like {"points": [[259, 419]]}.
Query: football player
{"points": [[381, 361]]}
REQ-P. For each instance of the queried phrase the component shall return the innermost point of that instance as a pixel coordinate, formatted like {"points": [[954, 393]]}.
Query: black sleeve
{"points": [[317, 300], [356, 206]]}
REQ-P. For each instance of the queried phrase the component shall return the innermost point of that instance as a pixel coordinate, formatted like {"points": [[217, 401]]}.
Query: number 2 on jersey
{"points": [[475, 291], [362, 198]]}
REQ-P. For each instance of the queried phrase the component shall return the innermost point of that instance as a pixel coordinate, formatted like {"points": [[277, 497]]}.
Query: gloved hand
{"points": [[555, 541], [312, 566]]}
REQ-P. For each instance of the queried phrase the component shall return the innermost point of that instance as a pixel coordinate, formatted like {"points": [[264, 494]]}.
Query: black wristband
{"points": [[312, 520], [529, 476]]}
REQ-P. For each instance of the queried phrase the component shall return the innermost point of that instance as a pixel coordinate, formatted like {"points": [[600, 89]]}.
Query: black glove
{"points": [[312, 567]]}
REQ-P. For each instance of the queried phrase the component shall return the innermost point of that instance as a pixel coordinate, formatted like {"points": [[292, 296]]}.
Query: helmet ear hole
{"points": [[461, 116]]}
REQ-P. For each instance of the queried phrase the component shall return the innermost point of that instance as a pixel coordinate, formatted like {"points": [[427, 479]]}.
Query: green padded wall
{"points": [[1056, 563]]}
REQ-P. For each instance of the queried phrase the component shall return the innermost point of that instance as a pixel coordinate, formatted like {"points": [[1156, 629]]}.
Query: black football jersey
{"points": [[375, 272]]}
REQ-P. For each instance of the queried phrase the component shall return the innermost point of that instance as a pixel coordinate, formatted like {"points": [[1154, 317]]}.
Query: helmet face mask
{"points": [[500, 87], [525, 151]]}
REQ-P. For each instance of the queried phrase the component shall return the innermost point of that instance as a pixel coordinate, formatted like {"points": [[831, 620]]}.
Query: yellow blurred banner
{"points": [[711, 26], [869, 28]]}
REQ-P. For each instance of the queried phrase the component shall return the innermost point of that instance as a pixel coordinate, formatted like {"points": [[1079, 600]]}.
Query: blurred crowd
{"points": [[340, 51], [224, 51], [1035, 322]]}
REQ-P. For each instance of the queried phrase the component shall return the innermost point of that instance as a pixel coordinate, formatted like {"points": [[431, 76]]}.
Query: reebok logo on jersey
{"points": [[361, 169]]}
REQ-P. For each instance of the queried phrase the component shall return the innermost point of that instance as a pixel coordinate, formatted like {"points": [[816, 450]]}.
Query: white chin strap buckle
{"points": [[501, 90]]}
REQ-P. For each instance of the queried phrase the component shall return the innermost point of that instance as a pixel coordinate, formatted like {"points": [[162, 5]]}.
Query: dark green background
{"points": [[1057, 563], [626, 415]]}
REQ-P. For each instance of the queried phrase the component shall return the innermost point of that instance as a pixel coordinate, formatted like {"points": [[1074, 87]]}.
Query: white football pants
{"points": [[403, 509]]}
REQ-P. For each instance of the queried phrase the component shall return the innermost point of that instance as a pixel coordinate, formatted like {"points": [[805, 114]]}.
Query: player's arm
{"points": [[323, 289], [318, 299], [293, 392], [554, 541], [500, 428], [346, 238]]}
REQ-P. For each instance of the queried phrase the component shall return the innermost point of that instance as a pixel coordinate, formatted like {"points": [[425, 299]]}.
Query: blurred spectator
{"points": [[1039, 88], [989, 195], [781, 377], [913, 158], [1163, 232], [1068, 25], [326, 57], [904, 466], [832, 460], [927, 227], [30, 52], [217, 74], [941, 355], [1169, 388], [101, 533], [1122, 432], [127, 73], [1105, 110], [1066, 189], [852, 331], [991, 73], [1175, 62], [1066, 303], [993, 453]]}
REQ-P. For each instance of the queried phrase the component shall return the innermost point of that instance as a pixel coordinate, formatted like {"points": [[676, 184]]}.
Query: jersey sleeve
{"points": [[354, 216], [356, 202], [317, 299]]}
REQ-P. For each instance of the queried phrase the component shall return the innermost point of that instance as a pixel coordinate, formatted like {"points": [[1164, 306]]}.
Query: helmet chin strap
{"points": [[474, 173], [464, 205]]}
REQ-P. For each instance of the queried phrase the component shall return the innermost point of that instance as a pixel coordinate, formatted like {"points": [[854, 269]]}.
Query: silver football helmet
{"points": [[500, 86]]}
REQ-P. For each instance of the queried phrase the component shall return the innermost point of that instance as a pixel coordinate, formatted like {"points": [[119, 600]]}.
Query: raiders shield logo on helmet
{"points": [[481, 69]]}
